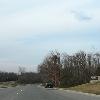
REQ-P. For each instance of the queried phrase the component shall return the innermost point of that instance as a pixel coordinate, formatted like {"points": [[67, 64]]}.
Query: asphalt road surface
{"points": [[34, 92]]}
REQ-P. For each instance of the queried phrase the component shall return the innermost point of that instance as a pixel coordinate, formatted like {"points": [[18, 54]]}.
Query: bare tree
{"points": [[50, 68], [70, 70], [21, 70]]}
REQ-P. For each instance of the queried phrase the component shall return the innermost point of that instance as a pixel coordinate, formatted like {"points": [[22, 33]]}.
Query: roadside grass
{"points": [[8, 84], [93, 88]]}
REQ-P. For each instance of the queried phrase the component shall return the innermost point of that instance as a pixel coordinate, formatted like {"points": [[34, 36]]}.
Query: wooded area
{"points": [[5, 77], [62, 69], [69, 70]]}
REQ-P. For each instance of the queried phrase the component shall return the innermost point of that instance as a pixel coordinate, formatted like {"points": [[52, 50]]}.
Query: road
{"points": [[34, 92]]}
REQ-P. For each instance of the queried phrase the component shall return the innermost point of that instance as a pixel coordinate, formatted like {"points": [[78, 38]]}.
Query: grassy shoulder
{"points": [[8, 84], [93, 88]]}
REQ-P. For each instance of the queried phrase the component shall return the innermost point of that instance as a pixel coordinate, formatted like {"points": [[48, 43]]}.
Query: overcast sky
{"points": [[29, 29]]}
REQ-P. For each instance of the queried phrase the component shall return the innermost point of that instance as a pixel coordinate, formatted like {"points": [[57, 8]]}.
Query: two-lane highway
{"points": [[34, 92]]}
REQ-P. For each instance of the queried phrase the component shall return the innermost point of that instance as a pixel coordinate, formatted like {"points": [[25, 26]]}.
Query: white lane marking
{"points": [[21, 90]]}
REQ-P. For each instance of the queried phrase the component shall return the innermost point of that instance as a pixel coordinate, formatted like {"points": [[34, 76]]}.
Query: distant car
{"points": [[49, 85]]}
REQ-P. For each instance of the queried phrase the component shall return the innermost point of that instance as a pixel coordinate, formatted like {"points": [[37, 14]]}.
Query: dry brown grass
{"points": [[88, 88], [7, 84]]}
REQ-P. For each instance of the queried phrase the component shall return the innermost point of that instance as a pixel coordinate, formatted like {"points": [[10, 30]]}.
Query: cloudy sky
{"points": [[29, 29]]}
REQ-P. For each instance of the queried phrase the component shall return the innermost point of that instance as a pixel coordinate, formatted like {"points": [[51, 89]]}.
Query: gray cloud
{"points": [[81, 16]]}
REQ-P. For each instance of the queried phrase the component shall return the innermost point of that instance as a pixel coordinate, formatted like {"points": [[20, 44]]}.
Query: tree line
{"points": [[29, 78], [22, 77], [63, 70], [8, 76], [69, 70]]}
